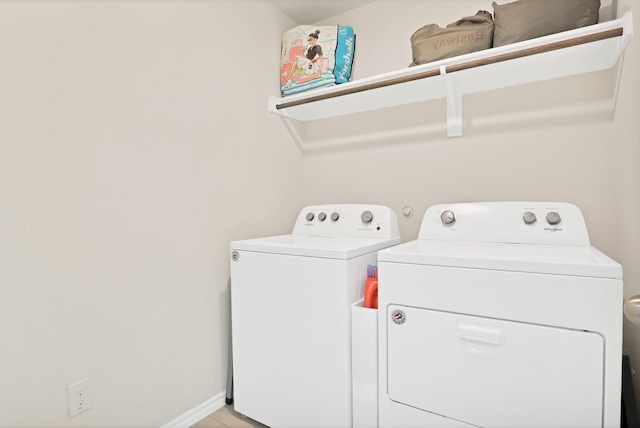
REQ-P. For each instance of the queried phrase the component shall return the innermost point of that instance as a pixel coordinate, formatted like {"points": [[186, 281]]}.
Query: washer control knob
{"points": [[447, 217], [310, 216], [322, 216], [335, 216], [553, 218], [367, 217], [529, 217]]}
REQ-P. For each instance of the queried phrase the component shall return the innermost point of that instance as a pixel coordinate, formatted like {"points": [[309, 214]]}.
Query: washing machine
{"points": [[499, 315], [291, 298]]}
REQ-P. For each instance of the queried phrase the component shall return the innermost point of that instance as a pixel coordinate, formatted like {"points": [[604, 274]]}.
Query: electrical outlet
{"points": [[79, 397]]}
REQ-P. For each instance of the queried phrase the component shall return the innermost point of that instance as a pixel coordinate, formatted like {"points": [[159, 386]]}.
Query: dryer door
{"points": [[494, 373]]}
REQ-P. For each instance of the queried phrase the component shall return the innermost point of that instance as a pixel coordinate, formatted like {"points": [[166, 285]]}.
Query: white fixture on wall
{"points": [[632, 309], [79, 397]]}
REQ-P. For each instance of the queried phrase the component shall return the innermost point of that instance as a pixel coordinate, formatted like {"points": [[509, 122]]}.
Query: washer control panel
{"points": [[506, 222], [347, 220]]}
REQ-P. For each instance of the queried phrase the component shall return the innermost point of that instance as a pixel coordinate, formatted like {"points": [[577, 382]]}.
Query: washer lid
{"points": [[315, 246], [578, 260]]}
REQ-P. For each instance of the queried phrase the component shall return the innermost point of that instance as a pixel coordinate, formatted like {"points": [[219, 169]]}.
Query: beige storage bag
{"points": [[469, 34], [528, 19]]}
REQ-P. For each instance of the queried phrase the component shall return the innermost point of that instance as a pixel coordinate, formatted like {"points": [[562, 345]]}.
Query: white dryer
{"points": [[500, 315], [291, 298]]}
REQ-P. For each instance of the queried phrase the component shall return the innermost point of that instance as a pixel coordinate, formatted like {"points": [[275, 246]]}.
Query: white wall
{"points": [[562, 140], [134, 145]]}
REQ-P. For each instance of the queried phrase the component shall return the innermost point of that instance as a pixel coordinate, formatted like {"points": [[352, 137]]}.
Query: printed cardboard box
{"points": [[314, 56]]}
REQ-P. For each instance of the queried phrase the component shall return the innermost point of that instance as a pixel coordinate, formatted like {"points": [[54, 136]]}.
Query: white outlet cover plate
{"points": [[79, 397]]}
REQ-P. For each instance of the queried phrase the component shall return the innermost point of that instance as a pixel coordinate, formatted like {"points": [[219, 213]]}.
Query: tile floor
{"points": [[226, 417]]}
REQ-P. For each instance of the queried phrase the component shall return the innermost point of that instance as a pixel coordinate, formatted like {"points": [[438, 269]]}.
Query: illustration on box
{"points": [[311, 56]]}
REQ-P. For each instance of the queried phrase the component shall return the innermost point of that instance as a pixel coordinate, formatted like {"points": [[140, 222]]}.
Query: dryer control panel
{"points": [[347, 220], [550, 223]]}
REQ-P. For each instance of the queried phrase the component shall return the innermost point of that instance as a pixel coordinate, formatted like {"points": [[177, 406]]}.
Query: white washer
{"points": [[499, 315], [291, 299]]}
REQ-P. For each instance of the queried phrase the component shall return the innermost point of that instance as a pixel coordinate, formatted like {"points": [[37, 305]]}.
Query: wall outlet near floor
{"points": [[79, 397]]}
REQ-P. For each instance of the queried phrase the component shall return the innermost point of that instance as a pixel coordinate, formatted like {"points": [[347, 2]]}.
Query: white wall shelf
{"points": [[583, 50]]}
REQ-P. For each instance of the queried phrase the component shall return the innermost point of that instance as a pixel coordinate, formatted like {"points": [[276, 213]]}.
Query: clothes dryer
{"points": [[500, 315], [291, 298]]}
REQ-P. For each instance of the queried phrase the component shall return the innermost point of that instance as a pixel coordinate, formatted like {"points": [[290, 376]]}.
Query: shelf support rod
{"points": [[454, 104]]}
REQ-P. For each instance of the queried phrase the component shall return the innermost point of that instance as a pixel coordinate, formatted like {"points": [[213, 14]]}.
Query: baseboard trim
{"points": [[198, 413]]}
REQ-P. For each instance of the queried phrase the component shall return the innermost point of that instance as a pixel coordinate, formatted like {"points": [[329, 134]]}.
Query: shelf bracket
{"points": [[454, 104]]}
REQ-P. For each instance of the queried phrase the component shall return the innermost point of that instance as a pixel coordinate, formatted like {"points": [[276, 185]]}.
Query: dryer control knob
{"points": [[310, 216], [322, 216], [366, 217], [335, 216], [448, 217], [529, 217], [553, 218]]}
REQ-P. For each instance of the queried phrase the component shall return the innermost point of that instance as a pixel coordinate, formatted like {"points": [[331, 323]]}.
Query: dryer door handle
{"points": [[474, 333]]}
